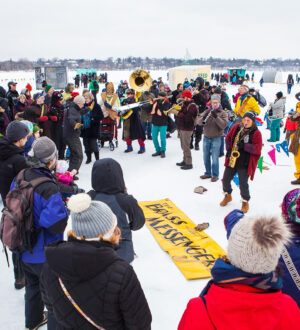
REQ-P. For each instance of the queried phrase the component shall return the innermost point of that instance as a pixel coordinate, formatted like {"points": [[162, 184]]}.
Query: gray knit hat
{"points": [[44, 149], [215, 97], [16, 131], [91, 218], [255, 244]]}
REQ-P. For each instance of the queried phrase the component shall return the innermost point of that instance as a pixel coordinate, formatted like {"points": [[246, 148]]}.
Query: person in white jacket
{"points": [[278, 109]]}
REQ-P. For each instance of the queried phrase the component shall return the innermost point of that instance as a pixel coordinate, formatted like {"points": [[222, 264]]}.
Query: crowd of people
{"points": [[87, 281]]}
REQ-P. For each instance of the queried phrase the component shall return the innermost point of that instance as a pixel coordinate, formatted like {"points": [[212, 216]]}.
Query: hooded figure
{"points": [[109, 187]]}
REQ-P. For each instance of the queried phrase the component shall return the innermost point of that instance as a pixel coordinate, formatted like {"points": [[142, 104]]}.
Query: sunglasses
{"points": [[247, 121]]}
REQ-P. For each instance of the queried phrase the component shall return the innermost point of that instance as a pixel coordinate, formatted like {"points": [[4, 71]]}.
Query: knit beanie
{"points": [[44, 149], [291, 209], [215, 97], [279, 95], [36, 129], [28, 124], [48, 87], [37, 95], [91, 218], [251, 115], [218, 90], [255, 244], [187, 94], [79, 99], [16, 131]]}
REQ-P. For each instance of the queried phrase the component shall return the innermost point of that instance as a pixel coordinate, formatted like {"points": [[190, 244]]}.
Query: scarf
{"points": [[86, 117], [225, 273]]}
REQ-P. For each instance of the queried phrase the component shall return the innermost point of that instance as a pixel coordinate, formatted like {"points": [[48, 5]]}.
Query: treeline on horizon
{"points": [[131, 63]]}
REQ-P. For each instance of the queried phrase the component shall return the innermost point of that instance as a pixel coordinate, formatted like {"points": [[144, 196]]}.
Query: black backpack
{"points": [[17, 231]]}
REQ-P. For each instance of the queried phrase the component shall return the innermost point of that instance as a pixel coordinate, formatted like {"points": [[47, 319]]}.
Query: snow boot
{"points": [[245, 206], [97, 155], [20, 283], [89, 157], [162, 154], [129, 149], [142, 150], [187, 167], [181, 163], [44, 321], [158, 153], [226, 199], [297, 181]]}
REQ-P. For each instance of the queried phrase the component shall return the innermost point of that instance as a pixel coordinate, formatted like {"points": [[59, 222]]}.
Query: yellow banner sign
{"points": [[193, 252]]}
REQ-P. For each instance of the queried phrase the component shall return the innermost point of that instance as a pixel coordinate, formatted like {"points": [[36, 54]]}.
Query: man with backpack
{"points": [[94, 88], [48, 216], [12, 161]]}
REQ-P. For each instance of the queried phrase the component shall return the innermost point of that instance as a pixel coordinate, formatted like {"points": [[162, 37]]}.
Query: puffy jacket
{"points": [[214, 126], [251, 105], [278, 108], [109, 187], [289, 286], [185, 119], [238, 306], [49, 211], [4, 121], [103, 285], [72, 117], [12, 161]]}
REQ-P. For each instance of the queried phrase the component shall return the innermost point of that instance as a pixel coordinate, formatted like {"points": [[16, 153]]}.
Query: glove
{"points": [[214, 113], [77, 190], [43, 119], [107, 105], [240, 145], [77, 126], [53, 118]]}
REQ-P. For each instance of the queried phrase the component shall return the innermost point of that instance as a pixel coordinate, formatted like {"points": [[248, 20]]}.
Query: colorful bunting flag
{"points": [[272, 155], [236, 180], [285, 147], [260, 164], [278, 147]]}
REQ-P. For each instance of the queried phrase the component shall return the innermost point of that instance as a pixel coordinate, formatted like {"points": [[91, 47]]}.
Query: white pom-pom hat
{"points": [[91, 218]]}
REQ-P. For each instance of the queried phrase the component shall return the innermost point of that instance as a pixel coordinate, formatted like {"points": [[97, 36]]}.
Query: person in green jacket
{"points": [[94, 88]]}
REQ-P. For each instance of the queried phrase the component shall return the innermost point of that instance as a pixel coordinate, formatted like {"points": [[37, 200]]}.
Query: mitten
{"points": [[53, 118], [107, 105], [43, 119]]}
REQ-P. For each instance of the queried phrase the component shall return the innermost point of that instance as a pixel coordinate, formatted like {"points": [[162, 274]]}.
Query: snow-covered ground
{"points": [[149, 178]]}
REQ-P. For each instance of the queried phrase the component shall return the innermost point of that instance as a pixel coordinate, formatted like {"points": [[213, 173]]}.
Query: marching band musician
{"points": [[185, 121], [246, 139], [146, 118], [132, 127], [160, 124]]}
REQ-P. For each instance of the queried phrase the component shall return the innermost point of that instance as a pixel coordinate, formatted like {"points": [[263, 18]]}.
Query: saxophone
{"points": [[235, 150]]}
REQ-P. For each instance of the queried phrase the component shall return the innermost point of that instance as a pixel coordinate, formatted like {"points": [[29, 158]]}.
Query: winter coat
{"points": [[104, 286], [238, 306], [290, 126], [12, 161], [289, 286], [146, 109], [158, 116], [4, 121], [225, 102], [294, 146], [109, 187], [214, 127], [201, 99], [93, 118], [4, 105], [72, 117], [93, 85], [19, 107], [278, 108], [154, 90], [47, 100], [253, 147], [185, 120], [251, 105], [132, 127], [49, 211], [12, 97], [34, 114]]}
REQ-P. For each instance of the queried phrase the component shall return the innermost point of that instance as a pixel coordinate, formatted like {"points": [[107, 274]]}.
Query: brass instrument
{"points": [[176, 107], [235, 150], [140, 80]]}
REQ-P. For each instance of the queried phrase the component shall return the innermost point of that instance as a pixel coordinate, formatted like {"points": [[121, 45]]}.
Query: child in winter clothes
{"points": [[245, 290], [290, 258], [290, 127]]}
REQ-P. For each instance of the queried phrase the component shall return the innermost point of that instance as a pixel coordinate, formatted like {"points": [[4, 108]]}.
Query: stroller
{"points": [[108, 132]]}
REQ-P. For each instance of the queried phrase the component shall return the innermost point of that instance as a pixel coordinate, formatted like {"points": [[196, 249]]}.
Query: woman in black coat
{"points": [[104, 287], [90, 131]]}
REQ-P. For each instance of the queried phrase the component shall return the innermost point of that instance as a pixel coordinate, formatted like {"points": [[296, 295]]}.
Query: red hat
{"points": [[187, 94], [29, 87], [74, 94]]}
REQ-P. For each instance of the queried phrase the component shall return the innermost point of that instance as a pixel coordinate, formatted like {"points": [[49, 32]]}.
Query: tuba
{"points": [[140, 80]]}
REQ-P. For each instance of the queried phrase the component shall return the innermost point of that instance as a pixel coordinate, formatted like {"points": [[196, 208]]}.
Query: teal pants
{"points": [[162, 130], [275, 129]]}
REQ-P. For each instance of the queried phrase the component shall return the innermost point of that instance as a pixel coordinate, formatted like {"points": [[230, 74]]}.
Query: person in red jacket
{"points": [[290, 127], [185, 121], [249, 145], [245, 290]]}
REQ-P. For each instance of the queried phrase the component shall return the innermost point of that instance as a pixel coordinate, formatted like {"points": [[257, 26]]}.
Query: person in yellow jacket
{"points": [[245, 103], [298, 103], [295, 145], [68, 91]]}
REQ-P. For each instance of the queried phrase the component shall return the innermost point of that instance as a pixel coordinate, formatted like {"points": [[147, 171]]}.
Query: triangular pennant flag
{"points": [[272, 155], [260, 164], [236, 180], [285, 147], [278, 147]]}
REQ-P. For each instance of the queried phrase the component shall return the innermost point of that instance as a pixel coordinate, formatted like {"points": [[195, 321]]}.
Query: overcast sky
{"points": [[156, 28]]}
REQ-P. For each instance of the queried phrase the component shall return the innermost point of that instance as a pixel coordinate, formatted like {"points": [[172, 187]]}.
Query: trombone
{"points": [[176, 107]]}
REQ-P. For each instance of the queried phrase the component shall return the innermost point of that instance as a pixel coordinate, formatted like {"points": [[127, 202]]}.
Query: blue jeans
{"points": [[147, 127], [211, 153], [162, 130]]}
